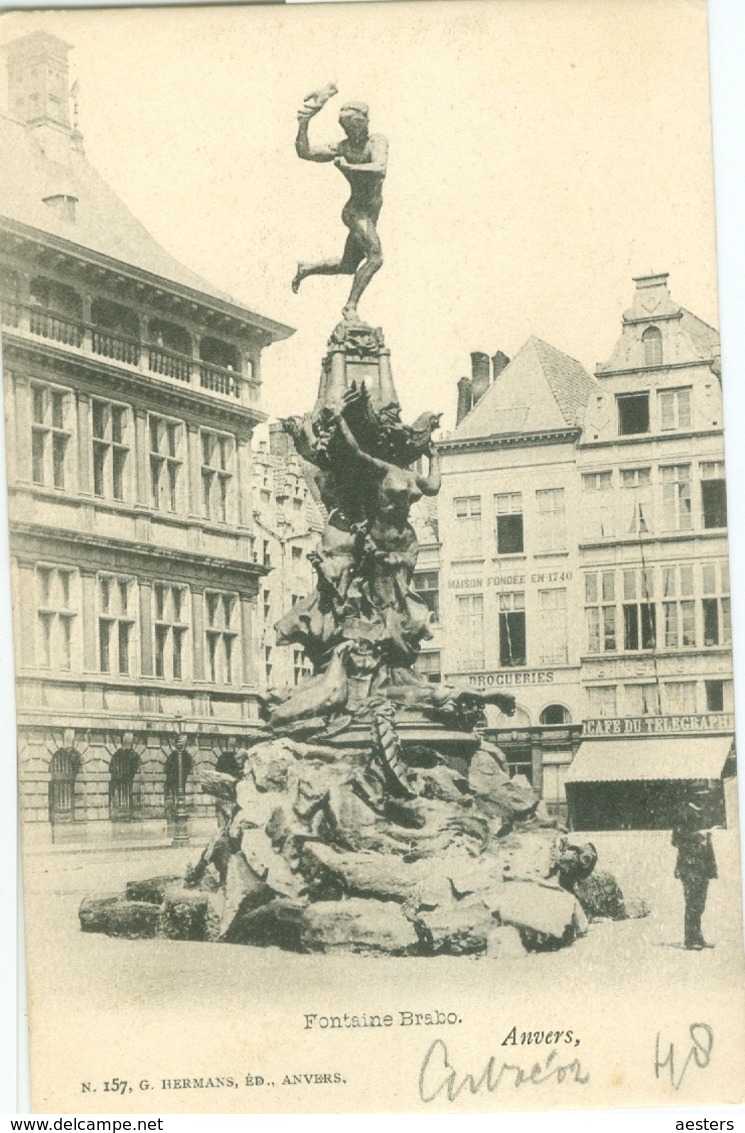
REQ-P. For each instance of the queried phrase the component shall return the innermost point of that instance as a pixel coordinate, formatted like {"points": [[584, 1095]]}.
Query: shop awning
{"points": [[609, 760]]}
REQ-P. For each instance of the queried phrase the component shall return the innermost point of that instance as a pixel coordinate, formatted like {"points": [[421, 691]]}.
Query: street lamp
{"points": [[181, 824]]}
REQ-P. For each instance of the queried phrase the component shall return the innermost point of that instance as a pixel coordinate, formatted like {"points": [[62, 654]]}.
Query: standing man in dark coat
{"points": [[696, 866]]}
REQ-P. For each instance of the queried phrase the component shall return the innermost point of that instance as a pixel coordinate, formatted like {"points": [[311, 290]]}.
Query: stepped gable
{"points": [[685, 338]]}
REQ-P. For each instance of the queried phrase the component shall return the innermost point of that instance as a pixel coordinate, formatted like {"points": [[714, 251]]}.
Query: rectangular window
{"points": [[430, 666], [551, 519], [110, 449], [512, 629], [633, 413], [166, 461], [221, 619], [716, 603], [676, 497], [170, 629], [427, 586], [50, 435], [268, 665], [469, 628], [636, 501], [639, 614], [552, 606], [719, 696], [115, 624], [55, 617], [601, 701], [217, 475], [641, 700], [713, 494], [509, 509], [468, 525], [678, 606], [675, 409], [600, 611], [300, 667], [597, 505], [679, 697], [715, 696]]}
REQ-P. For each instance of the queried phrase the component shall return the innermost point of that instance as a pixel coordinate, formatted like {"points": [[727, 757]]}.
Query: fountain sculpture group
{"points": [[373, 815]]}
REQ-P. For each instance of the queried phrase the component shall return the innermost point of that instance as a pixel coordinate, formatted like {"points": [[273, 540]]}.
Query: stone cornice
{"points": [[124, 381], [647, 438], [120, 272], [655, 370], [631, 320], [510, 440], [144, 559]]}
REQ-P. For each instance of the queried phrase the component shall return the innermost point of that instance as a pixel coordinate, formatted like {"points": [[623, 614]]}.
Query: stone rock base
{"points": [[116, 916], [357, 925]]}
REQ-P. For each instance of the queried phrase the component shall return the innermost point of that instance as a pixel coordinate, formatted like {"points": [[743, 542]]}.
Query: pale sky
{"points": [[541, 154]]}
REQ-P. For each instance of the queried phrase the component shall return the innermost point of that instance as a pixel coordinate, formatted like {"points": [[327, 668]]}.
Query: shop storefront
{"points": [[633, 781]]}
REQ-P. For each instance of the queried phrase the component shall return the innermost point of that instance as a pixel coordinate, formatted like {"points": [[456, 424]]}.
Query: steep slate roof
{"points": [[541, 389], [103, 223]]}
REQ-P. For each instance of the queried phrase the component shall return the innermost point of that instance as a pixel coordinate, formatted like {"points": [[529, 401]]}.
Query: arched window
{"points": [[556, 714], [57, 298], [172, 779], [63, 771], [122, 800], [169, 335], [652, 340], [114, 317], [219, 353]]}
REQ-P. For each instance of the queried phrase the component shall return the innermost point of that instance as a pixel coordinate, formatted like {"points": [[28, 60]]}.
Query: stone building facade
{"points": [[289, 523], [510, 575], [583, 564], [131, 394], [657, 653]]}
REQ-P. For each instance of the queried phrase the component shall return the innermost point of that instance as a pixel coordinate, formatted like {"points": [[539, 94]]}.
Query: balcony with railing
{"points": [[47, 324], [118, 347], [169, 363], [215, 373], [220, 380]]}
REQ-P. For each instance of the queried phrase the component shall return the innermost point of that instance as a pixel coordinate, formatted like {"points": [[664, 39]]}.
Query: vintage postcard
{"points": [[369, 558]]}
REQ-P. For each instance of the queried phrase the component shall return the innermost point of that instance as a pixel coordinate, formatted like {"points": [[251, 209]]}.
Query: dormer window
{"points": [[63, 204], [652, 343]]}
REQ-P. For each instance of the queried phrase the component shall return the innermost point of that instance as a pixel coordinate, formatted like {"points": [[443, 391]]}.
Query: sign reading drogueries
{"points": [[511, 677]]}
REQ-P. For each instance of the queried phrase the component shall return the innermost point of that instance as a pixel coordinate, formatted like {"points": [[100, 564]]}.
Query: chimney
{"points": [[480, 374], [655, 280], [499, 362], [465, 399], [38, 92]]}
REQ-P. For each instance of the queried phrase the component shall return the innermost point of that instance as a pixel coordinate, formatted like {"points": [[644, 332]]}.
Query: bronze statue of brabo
{"points": [[362, 157]]}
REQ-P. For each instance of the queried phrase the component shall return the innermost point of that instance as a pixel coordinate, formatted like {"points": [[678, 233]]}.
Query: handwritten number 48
{"points": [[702, 1042]]}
